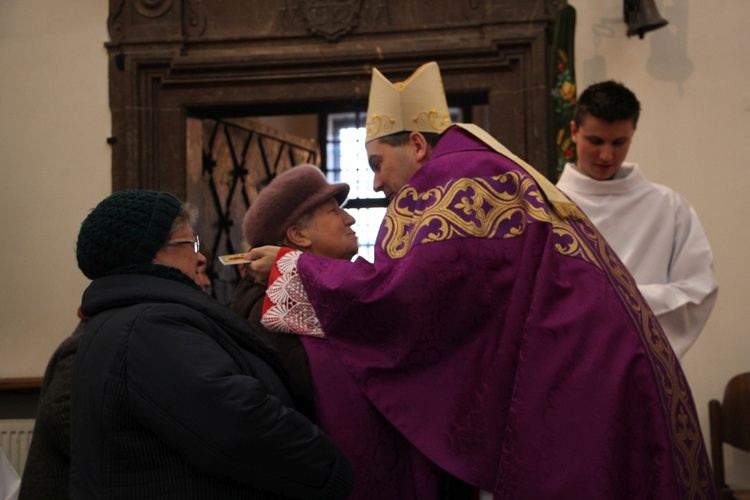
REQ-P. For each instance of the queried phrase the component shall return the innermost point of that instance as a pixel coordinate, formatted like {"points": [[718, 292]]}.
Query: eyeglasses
{"points": [[196, 244]]}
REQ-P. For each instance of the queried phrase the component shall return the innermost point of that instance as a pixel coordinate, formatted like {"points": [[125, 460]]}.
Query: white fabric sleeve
{"points": [[290, 310], [684, 303]]}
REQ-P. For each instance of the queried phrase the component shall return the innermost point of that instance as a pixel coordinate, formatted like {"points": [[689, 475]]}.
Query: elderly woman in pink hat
{"points": [[301, 210], [298, 209]]}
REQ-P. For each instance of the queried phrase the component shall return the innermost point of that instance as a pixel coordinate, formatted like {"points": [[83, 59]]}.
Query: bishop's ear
{"points": [[421, 147]]}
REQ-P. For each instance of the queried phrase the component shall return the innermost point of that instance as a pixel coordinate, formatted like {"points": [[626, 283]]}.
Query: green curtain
{"points": [[563, 88]]}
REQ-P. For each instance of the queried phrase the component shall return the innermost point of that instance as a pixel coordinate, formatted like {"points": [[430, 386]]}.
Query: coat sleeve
{"points": [[188, 391], [54, 402], [247, 301]]}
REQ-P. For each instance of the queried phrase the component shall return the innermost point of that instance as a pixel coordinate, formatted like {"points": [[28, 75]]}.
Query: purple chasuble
{"points": [[507, 342], [385, 464]]}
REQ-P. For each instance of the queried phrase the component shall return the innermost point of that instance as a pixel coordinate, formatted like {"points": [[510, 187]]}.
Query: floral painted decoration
{"points": [[563, 88]]}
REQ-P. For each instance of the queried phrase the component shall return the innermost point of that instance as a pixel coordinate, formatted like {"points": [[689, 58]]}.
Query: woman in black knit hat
{"points": [[174, 396]]}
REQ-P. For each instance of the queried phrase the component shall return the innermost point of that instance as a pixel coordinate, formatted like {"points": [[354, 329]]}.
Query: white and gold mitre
{"points": [[416, 104]]}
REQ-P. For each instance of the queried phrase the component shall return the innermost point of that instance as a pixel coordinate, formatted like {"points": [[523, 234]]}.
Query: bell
{"points": [[641, 16]]}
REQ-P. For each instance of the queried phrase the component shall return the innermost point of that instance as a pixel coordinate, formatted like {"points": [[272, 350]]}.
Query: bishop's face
{"points": [[393, 166], [601, 146]]}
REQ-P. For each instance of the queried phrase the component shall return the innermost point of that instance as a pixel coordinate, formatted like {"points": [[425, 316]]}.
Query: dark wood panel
{"points": [[19, 397], [171, 59]]}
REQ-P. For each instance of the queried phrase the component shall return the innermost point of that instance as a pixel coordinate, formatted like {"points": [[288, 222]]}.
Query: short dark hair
{"points": [[401, 138], [609, 101]]}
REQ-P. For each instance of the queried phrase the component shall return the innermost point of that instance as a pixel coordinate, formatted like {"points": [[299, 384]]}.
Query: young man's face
{"points": [[601, 146], [393, 166], [329, 232]]}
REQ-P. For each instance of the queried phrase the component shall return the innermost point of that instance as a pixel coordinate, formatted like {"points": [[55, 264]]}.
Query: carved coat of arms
{"points": [[332, 18]]}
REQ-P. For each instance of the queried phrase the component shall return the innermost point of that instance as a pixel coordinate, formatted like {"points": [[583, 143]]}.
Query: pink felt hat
{"points": [[282, 203]]}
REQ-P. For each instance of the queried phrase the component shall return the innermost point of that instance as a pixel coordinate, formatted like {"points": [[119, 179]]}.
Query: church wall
{"points": [[54, 167]]}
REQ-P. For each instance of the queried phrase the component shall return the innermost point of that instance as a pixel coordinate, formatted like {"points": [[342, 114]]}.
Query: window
{"points": [[347, 162]]}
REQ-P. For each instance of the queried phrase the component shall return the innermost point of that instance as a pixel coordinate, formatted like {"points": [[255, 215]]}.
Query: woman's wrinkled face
{"points": [[329, 232], [179, 252]]}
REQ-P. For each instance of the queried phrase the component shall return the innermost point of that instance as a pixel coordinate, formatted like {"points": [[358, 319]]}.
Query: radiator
{"points": [[15, 438]]}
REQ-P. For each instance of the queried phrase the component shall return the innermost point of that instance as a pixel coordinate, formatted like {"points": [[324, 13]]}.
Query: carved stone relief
{"points": [[153, 8], [331, 18]]}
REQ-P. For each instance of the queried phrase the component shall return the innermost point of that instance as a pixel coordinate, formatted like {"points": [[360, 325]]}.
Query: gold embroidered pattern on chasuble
{"points": [[502, 207]]}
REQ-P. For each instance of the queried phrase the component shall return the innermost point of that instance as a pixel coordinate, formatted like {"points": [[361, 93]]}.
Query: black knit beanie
{"points": [[126, 229]]}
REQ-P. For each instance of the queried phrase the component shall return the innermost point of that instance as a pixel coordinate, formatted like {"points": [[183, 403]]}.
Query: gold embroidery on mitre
{"points": [[379, 123], [420, 98], [427, 120]]}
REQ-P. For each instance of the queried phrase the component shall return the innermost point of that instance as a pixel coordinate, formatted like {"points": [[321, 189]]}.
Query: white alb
{"points": [[659, 238]]}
